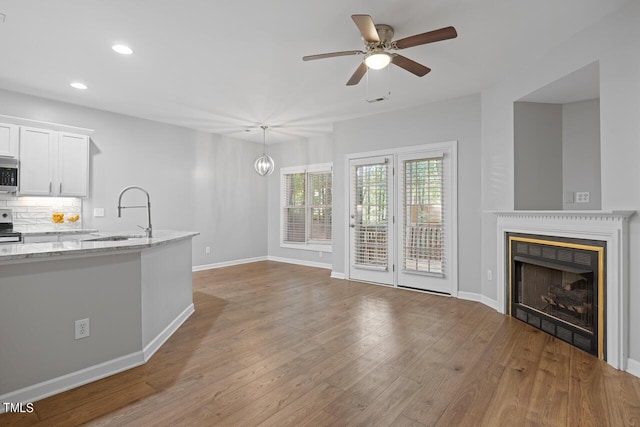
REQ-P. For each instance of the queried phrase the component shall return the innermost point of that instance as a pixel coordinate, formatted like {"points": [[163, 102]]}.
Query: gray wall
{"points": [[614, 42], [197, 181], [41, 301], [537, 156], [581, 152], [456, 119], [297, 153]]}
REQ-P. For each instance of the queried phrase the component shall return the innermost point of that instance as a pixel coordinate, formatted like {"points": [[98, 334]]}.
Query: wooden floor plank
{"points": [[511, 399], [389, 404], [586, 388], [549, 402], [277, 344]]}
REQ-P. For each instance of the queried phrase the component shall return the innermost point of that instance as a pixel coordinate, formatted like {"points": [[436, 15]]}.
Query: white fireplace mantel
{"points": [[608, 226]]}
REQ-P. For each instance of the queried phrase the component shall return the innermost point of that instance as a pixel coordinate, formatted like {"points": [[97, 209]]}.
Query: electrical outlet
{"points": [[207, 250], [489, 275], [582, 197], [98, 212], [320, 254], [82, 328]]}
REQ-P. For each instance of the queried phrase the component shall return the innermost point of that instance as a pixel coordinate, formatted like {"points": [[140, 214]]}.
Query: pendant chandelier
{"points": [[264, 164]]}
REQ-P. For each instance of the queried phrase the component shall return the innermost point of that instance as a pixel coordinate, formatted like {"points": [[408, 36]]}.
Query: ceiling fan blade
{"points": [[358, 75], [332, 54], [367, 28], [410, 65], [428, 37]]}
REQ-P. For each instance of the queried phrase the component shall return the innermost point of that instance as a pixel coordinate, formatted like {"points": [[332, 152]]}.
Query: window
{"points": [[423, 219], [306, 207]]}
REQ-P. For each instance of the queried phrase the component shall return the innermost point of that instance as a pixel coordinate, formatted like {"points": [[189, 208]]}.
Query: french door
{"points": [[371, 220], [402, 219]]}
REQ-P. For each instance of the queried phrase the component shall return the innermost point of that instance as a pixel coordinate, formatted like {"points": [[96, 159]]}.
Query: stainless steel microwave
{"points": [[8, 175]]}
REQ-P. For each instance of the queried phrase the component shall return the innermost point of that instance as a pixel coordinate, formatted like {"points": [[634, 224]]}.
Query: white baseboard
{"points": [[470, 296], [75, 379], [336, 275], [300, 262], [633, 367], [93, 373], [163, 336], [227, 263], [489, 302]]}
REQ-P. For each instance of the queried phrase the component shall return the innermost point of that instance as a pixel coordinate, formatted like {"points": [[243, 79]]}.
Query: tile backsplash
{"points": [[35, 213]]}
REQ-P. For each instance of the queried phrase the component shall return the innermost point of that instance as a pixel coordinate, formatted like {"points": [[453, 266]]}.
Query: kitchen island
{"points": [[135, 292]]}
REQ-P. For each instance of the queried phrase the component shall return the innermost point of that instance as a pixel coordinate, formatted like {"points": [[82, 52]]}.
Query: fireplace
{"points": [[610, 228], [557, 285]]}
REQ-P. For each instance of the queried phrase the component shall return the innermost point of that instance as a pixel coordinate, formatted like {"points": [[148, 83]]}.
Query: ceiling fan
{"points": [[378, 42]]}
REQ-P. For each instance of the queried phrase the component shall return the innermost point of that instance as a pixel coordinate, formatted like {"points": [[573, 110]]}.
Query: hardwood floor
{"points": [[274, 344]]}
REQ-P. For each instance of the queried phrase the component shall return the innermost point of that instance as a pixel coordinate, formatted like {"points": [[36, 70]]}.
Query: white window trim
{"points": [[306, 246]]}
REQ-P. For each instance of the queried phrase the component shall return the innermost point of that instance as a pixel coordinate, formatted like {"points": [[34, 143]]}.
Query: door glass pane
{"points": [[423, 234], [371, 226]]}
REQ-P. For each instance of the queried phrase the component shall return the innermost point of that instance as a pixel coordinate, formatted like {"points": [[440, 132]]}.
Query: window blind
{"points": [[294, 208], [307, 206], [423, 204], [371, 225], [319, 197]]}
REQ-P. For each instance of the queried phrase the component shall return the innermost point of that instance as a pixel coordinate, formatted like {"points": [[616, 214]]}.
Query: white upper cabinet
{"points": [[37, 148], [53, 163], [8, 140], [73, 165]]}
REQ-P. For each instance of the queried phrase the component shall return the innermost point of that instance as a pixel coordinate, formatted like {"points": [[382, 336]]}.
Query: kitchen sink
{"points": [[114, 238]]}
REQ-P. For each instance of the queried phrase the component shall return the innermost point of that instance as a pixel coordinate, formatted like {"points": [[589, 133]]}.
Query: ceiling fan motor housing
{"points": [[385, 33]]}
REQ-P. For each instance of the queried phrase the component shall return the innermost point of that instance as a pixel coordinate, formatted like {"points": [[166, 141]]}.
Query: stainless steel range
{"points": [[7, 235]]}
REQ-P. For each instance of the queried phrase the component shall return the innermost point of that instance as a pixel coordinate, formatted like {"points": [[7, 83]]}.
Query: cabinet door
{"points": [[73, 165], [8, 140], [36, 161]]}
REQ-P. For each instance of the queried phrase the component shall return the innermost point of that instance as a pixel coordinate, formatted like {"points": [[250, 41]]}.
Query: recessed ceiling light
{"points": [[78, 85], [122, 49]]}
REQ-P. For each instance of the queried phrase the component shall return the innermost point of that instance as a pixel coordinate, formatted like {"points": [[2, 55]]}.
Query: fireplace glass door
{"points": [[557, 285], [567, 296]]}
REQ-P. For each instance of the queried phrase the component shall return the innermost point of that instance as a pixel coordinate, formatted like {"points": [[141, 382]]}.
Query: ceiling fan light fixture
{"points": [[377, 59]]}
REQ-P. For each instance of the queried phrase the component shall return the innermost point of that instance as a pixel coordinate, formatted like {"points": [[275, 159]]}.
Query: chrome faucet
{"points": [[148, 230]]}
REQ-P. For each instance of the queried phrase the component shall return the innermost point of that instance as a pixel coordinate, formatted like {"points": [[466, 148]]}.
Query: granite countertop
{"points": [[55, 232], [20, 251]]}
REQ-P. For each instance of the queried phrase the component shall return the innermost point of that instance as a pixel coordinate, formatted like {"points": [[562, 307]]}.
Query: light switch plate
{"points": [[568, 196], [98, 212]]}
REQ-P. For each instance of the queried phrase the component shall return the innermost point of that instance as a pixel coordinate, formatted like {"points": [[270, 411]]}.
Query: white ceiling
{"points": [[225, 67]]}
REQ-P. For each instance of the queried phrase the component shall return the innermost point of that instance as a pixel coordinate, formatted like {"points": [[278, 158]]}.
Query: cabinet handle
{"points": [[50, 186], [60, 192]]}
